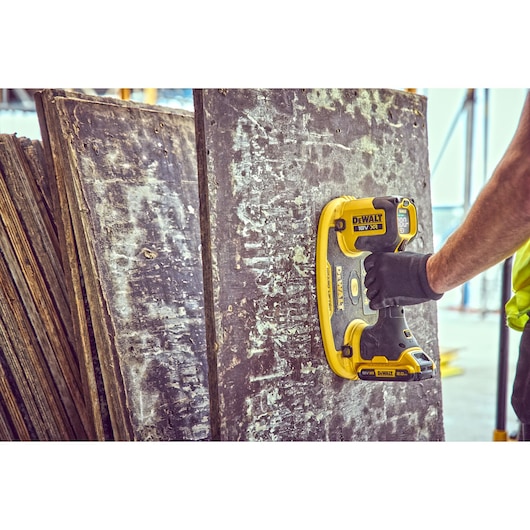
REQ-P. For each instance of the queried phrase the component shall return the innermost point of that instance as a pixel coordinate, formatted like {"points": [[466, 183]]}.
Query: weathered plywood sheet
{"points": [[271, 159], [129, 179]]}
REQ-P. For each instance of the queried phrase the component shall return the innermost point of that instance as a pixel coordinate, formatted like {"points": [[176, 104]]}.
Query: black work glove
{"points": [[397, 278]]}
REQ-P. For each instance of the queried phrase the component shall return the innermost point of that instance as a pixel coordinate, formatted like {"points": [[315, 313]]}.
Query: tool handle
{"points": [[389, 336]]}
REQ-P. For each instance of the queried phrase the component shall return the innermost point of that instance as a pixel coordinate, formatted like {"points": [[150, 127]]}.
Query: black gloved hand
{"points": [[397, 278]]}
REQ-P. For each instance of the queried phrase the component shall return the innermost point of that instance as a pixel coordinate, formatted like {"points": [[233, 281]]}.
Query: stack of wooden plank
{"points": [[102, 331], [40, 378]]}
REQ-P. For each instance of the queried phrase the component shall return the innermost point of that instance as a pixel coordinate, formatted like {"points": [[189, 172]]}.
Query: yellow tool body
{"points": [[359, 342]]}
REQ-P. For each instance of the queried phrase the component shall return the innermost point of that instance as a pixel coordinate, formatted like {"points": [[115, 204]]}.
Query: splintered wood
{"points": [[40, 375], [102, 317]]}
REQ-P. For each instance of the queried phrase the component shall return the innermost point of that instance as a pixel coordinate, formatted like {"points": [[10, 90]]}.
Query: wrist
{"points": [[432, 278]]}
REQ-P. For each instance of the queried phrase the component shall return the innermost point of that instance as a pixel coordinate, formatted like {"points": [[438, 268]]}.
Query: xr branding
{"points": [[364, 223]]}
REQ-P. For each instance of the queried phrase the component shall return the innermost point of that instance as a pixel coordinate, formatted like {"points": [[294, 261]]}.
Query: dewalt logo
{"points": [[385, 373], [340, 288], [367, 222], [363, 219]]}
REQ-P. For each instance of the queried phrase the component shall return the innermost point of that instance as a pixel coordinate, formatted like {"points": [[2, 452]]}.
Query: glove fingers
{"points": [[372, 293], [369, 262], [369, 280], [375, 305]]}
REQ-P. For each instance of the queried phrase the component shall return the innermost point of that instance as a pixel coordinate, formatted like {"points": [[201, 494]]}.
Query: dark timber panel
{"points": [[270, 160], [128, 196]]}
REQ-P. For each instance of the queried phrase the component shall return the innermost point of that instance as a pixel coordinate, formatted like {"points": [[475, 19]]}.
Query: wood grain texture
{"points": [[271, 159], [130, 184], [40, 360]]}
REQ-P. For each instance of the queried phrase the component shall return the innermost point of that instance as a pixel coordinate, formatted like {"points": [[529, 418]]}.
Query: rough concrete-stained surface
{"points": [[272, 160], [135, 168]]}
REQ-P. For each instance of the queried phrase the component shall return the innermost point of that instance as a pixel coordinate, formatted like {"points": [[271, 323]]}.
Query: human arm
{"points": [[497, 224]]}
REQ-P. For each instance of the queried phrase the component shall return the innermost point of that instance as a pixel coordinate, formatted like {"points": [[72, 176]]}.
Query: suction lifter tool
{"points": [[361, 343]]}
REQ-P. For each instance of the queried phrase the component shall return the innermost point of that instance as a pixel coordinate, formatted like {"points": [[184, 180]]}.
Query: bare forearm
{"points": [[493, 230], [498, 222]]}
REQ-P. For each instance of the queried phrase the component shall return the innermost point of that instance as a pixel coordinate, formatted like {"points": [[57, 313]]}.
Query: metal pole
{"points": [[449, 136], [502, 373], [469, 147], [125, 93], [486, 132]]}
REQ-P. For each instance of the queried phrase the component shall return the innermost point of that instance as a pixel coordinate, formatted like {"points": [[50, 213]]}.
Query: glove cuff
{"points": [[429, 293]]}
